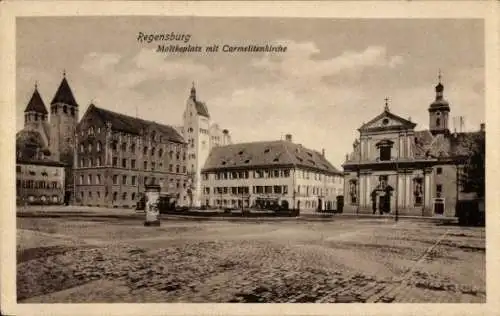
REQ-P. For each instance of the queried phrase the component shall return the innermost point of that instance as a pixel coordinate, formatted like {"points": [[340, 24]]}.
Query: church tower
{"points": [[63, 121], [36, 116], [439, 111]]}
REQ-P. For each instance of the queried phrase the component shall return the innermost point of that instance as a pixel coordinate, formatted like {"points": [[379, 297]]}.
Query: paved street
{"points": [[96, 256]]}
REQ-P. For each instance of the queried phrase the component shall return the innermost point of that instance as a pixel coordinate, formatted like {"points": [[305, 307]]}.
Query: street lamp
{"points": [[397, 192]]}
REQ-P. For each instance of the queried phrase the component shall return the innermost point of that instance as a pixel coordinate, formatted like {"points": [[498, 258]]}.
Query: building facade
{"points": [[116, 155], [395, 168], [276, 172], [39, 181], [48, 139], [201, 135]]}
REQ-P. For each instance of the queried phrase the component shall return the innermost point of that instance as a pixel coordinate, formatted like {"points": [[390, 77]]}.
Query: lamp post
{"points": [[397, 192]]}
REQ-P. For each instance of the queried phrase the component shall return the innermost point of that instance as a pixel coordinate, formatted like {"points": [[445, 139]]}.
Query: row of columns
{"points": [[403, 188]]}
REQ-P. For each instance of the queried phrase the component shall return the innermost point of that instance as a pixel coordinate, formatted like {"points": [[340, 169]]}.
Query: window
{"points": [[170, 168], [132, 197], [90, 147], [134, 178], [438, 122], [145, 151], [89, 179], [98, 147], [160, 152], [124, 146], [177, 168], [115, 179], [113, 145], [115, 161], [98, 179], [82, 148], [439, 170], [115, 196], [18, 169], [153, 165], [81, 179], [124, 179], [98, 161], [145, 165], [91, 162], [132, 148], [124, 163], [385, 153], [184, 169], [132, 163], [82, 162], [439, 190], [98, 130], [124, 196], [153, 151]]}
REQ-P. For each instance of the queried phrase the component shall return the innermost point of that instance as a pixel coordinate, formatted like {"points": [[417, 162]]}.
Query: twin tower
{"points": [[58, 132]]}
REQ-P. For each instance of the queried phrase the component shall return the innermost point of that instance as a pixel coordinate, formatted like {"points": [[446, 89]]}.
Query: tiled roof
{"points": [[133, 125], [36, 104], [265, 154], [201, 108], [64, 94]]}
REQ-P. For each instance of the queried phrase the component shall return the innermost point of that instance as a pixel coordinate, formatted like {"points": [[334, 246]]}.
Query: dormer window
{"points": [[438, 122]]}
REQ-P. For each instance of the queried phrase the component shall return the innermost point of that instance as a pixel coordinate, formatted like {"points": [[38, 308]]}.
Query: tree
{"points": [[472, 177]]}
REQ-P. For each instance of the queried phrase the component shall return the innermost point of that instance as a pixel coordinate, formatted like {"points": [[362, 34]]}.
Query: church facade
{"points": [[395, 168], [47, 142]]}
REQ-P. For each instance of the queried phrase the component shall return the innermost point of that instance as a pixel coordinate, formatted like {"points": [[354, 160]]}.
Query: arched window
{"points": [[177, 169], [132, 148], [153, 151], [124, 146], [90, 147]]}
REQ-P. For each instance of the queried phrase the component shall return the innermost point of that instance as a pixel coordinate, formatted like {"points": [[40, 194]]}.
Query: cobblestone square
{"points": [[108, 256]]}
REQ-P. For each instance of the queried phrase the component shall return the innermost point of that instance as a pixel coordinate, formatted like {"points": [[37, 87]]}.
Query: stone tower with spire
{"points": [[196, 132], [36, 116], [63, 122], [439, 111]]}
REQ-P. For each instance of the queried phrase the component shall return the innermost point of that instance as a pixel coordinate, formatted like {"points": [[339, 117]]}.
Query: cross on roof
{"points": [[439, 75], [386, 107]]}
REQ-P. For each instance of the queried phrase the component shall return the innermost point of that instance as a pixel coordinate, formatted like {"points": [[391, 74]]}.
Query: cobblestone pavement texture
{"points": [[104, 259]]}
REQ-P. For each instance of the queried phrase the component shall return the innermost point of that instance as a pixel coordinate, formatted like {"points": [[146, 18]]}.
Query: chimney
{"points": [[323, 152], [482, 127], [288, 137]]}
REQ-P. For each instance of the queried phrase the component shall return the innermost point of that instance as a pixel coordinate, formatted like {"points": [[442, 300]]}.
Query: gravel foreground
{"points": [[108, 260]]}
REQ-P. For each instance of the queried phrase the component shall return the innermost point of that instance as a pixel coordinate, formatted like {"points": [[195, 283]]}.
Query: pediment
{"points": [[387, 121]]}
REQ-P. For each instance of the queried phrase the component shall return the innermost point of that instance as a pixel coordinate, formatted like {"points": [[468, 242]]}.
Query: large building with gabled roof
{"points": [[396, 169], [117, 155], [270, 172]]}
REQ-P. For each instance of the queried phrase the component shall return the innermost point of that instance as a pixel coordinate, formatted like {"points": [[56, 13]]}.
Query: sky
{"points": [[333, 77]]}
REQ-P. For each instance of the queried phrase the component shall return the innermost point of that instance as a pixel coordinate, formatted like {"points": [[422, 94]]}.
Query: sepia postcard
{"points": [[249, 158]]}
